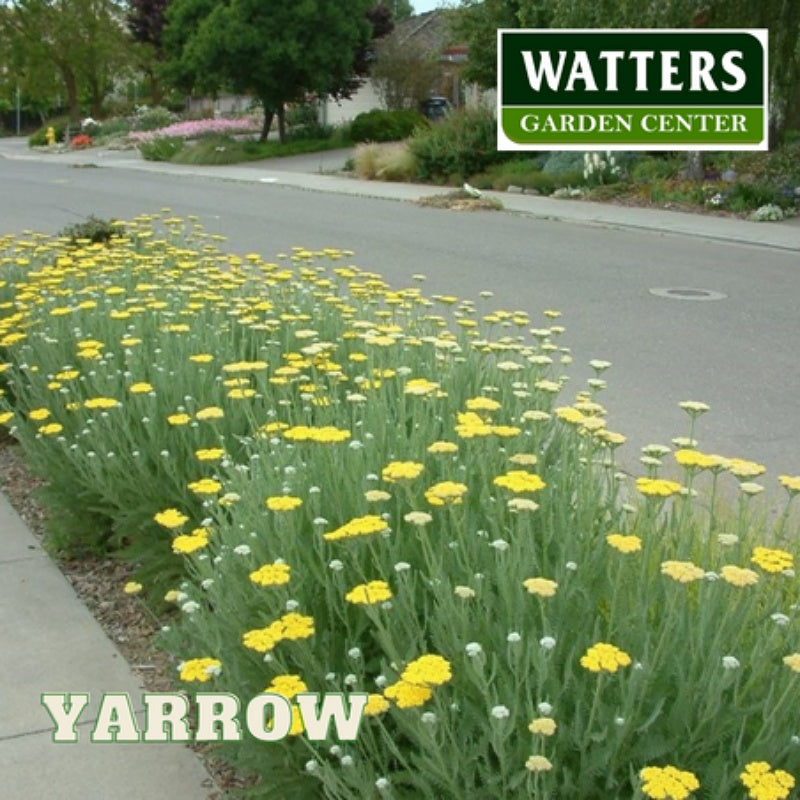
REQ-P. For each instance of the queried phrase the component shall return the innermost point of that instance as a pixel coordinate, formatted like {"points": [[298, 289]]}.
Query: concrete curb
{"points": [[298, 172]]}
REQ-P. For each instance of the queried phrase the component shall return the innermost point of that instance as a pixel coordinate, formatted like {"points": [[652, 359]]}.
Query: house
{"points": [[430, 33]]}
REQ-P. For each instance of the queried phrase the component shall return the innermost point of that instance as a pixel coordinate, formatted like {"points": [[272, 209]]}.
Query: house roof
{"points": [[431, 32]]}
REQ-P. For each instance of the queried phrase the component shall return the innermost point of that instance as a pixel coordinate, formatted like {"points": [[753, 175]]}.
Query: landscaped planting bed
{"points": [[333, 485]]}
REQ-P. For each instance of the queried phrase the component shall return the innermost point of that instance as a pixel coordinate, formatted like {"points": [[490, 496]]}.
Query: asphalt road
{"points": [[739, 354]]}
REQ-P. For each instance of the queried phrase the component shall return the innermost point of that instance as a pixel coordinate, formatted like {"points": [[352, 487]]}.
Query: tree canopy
{"points": [[279, 51], [81, 41], [478, 21]]}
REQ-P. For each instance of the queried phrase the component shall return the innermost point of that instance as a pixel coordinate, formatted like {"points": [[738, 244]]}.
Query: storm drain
{"points": [[688, 294]]}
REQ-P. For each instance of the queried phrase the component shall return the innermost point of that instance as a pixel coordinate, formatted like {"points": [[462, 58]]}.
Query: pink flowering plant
{"points": [[196, 128]]}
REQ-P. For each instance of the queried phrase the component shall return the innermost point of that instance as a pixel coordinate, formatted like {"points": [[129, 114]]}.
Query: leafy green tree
{"points": [[278, 51], [780, 17], [401, 9], [145, 20], [476, 25], [403, 73], [81, 41]]}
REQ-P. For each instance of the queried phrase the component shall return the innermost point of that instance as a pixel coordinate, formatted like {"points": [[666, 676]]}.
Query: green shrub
{"points": [[151, 119], [743, 197], [386, 126], [656, 168], [302, 114], [312, 130], [222, 149], [114, 127], [59, 126], [560, 162], [94, 229], [162, 148], [463, 144]]}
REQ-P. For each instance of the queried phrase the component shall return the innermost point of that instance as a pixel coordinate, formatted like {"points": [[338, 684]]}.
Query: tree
{"points": [[476, 25], [401, 9], [146, 20], [780, 17], [279, 51], [403, 73], [82, 41]]}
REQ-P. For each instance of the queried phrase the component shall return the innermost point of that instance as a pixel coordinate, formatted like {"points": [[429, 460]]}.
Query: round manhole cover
{"points": [[683, 293]]}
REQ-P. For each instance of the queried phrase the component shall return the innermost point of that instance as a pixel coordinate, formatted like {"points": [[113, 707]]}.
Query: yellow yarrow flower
{"points": [[482, 404], [140, 388], [442, 448], [101, 402], [543, 726], [427, 670], [520, 481], [793, 662], [360, 526], [376, 496], [190, 542], [544, 587], [210, 412], [287, 686], [209, 454], [276, 574], [790, 482], [399, 471], [657, 487], [603, 657], [51, 429], [296, 626], [737, 576], [132, 587], [538, 764], [200, 669], [369, 593], [697, 460], [262, 640], [668, 783], [179, 419], [445, 493], [408, 695], [376, 704], [39, 414], [742, 468], [771, 560], [625, 544], [283, 503], [764, 783], [170, 518], [682, 571], [205, 486]]}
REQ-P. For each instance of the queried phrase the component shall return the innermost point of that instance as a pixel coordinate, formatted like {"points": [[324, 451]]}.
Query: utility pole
{"points": [[19, 127]]}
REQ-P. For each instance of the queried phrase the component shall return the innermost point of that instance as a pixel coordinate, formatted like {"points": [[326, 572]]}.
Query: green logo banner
{"points": [[695, 89]]}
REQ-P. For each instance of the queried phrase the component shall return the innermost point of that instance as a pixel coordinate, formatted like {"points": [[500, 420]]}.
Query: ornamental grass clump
{"points": [[341, 486]]}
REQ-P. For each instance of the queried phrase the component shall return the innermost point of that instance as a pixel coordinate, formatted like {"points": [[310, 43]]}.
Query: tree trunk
{"points": [[97, 100], [282, 123], [156, 89], [694, 165], [71, 85], [269, 115]]}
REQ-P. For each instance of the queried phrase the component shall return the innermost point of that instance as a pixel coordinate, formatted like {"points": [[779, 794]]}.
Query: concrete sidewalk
{"points": [[49, 642], [319, 172]]}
